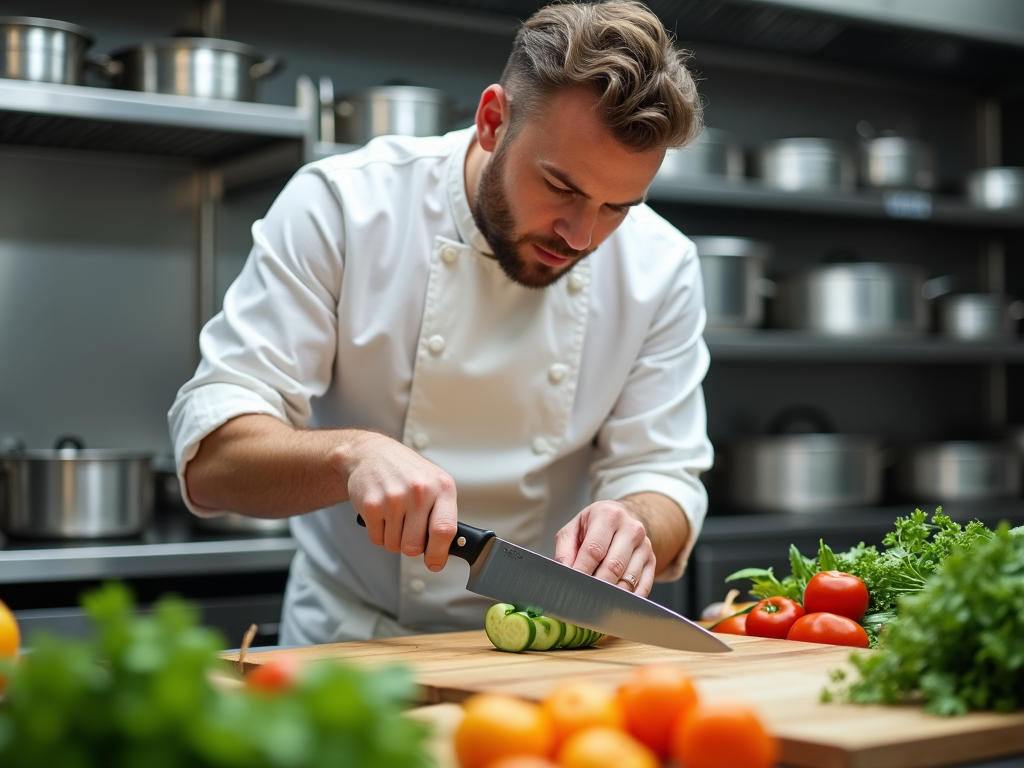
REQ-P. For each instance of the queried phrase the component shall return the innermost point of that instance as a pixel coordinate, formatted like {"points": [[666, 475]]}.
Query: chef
{"points": [[488, 326]]}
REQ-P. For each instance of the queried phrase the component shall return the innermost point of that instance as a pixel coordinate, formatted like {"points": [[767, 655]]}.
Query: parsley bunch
{"points": [[139, 693], [957, 643]]}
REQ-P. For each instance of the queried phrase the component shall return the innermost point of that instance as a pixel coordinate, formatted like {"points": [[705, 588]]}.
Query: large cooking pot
{"points": [[977, 316], [959, 471], [809, 472], [854, 299], [996, 188], [897, 162], [801, 164], [713, 154], [403, 110], [201, 67], [76, 492], [734, 283], [45, 50]]}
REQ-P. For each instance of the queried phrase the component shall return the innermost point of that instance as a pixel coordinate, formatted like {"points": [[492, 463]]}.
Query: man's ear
{"points": [[491, 117]]}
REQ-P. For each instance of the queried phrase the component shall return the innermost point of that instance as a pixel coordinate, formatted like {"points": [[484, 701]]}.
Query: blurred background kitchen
{"points": [[857, 202]]}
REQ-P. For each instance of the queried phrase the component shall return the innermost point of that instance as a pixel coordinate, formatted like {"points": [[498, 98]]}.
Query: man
{"points": [[465, 328]]}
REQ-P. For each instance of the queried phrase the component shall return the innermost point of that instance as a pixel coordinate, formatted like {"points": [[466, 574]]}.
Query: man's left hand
{"points": [[607, 541]]}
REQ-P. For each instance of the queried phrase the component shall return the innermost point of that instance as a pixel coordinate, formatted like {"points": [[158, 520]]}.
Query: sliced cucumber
{"points": [[569, 636], [579, 639], [508, 629], [591, 637], [549, 633]]}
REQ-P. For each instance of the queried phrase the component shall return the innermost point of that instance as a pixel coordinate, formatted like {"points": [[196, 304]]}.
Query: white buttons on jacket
{"points": [[557, 372], [449, 254], [436, 344], [575, 283], [417, 586], [540, 445], [420, 441]]}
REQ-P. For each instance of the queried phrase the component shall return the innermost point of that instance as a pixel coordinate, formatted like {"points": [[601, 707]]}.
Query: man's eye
{"points": [[559, 190]]}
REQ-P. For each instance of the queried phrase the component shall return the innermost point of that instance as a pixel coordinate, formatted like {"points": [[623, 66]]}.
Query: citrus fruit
{"points": [[603, 747], [578, 704], [278, 674], [10, 639], [522, 761], [724, 735], [652, 700], [497, 726]]}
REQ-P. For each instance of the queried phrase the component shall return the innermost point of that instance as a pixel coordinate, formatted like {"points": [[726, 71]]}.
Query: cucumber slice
{"points": [[549, 632], [508, 629], [591, 637], [569, 636], [580, 638]]}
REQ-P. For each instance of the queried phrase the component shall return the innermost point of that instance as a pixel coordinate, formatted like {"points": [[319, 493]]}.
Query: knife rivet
{"points": [[461, 541]]}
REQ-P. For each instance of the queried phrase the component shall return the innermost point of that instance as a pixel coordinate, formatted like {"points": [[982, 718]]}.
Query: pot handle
{"points": [[267, 67], [69, 441], [104, 65], [787, 420]]}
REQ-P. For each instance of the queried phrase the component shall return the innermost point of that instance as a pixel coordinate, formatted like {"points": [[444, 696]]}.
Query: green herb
{"points": [[957, 643], [139, 694]]}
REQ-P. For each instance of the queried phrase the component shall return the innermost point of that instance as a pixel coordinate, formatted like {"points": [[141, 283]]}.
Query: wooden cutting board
{"points": [[782, 679]]}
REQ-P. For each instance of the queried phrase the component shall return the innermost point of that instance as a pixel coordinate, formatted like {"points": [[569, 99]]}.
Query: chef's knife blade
{"points": [[511, 574]]}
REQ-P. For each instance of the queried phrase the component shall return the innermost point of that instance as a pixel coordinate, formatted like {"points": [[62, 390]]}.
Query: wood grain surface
{"points": [[783, 680]]}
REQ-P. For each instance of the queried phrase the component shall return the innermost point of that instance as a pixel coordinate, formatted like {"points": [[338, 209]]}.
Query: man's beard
{"points": [[493, 216]]}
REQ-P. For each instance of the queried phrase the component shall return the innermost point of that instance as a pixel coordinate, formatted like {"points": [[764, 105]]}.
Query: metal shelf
{"points": [[865, 204], [802, 346], [100, 119]]}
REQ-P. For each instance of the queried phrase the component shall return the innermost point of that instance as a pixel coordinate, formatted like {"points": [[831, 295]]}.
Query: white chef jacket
{"points": [[370, 300]]}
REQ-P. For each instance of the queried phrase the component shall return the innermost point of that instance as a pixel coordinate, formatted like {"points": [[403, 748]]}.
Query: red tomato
{"points": [[830, 629], [836, 592], [773, 617], [734, 625], [276, 675]]}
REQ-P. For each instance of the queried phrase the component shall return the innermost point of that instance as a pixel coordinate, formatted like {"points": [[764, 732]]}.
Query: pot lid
{"points": [[191, 44], [32, 21]]}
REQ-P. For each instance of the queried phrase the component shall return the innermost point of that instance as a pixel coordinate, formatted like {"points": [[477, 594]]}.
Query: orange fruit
{"points": [[497, 726], [522, 761], [724, 735], [279, 674], [603, 747], [10, 639], [578, 704], [652, 700]]}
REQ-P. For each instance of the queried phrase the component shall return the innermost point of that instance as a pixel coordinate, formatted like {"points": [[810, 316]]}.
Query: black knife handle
{"points": [[468, 543]]}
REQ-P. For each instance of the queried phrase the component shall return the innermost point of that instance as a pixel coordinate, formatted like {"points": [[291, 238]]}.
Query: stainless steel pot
{"points": [[854, 299], [201, 67], [971, 316], [403, 110], [44, 50], [734, 283], [959, 471], [996, 187], [713, 154], [74, 492], [807, 164], [897, 162], [805, 472]]}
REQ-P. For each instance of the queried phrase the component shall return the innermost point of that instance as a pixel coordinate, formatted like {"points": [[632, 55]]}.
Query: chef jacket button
{"points": [[436, 344], [449, 254], [420, 441], [540, 445], [575, 283], [556, 373], [417, 586]]}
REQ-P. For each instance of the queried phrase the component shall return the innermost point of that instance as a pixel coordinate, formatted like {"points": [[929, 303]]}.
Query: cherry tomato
{"points": [[773, 617], [836, 592], [276, 675], [830, 629], [734, 625]]}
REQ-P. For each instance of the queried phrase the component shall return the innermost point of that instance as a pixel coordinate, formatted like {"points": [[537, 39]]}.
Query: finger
{"points": [[396, 503], [620, 552], [416, 516], [371, 514], [444, 518], [594, 547], [632, 577], [567, 541], [647, 577]]}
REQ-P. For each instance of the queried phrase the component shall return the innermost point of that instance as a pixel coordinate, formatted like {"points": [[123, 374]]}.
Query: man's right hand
{"points": [[407, 503], [257, 465]]}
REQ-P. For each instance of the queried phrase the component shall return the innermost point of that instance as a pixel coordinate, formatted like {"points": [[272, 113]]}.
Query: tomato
{"points": [[734, 625], [652, 699], [773, 617], [724, 734], [830, 629], [836, 592], [276, 675]]}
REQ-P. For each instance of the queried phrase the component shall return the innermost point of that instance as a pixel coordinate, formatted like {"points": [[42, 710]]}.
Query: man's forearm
{"points": [[667, 526], [257, 465]]}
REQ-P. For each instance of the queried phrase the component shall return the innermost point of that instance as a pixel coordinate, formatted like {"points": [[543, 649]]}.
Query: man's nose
{"points": [[577, 229]]}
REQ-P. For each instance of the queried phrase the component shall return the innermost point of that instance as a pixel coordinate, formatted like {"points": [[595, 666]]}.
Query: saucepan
{"points": [[47, 51], [734, 283], [403, 110], [713, 154], [72, 491], [201, 67], [996, 188], [962, 470], [979, 316], [811, 471], [800, 164]]}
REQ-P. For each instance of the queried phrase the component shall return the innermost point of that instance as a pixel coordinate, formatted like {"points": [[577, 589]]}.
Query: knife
{"points": [[511, 574]]}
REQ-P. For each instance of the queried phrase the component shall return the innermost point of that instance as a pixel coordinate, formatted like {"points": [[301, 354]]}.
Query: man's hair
{"points": [[621, 51]]}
